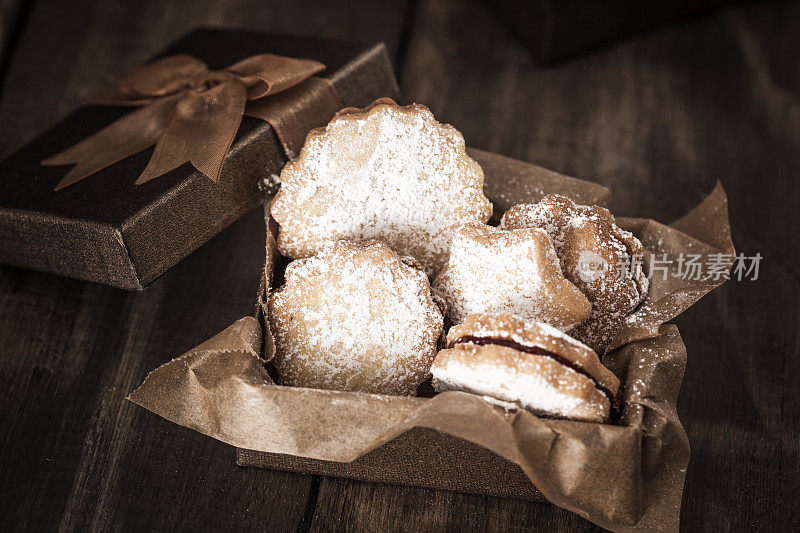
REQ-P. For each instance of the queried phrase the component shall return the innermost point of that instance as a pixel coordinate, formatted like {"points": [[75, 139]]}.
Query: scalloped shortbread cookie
{"points": [[385, 172], [355, 317]]}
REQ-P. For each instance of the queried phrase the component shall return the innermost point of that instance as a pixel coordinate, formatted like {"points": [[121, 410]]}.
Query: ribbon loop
{"points": [[164, 76], [190, 113], [266, 74]]}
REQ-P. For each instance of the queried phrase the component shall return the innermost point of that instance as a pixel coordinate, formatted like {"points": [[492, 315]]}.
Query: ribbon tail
{"points": [[124, 137], [200, 130], [162, 77]]}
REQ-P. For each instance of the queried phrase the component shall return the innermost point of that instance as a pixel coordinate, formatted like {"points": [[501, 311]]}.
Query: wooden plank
{"points": [[74, 453], [76, 350], [356, 506]]}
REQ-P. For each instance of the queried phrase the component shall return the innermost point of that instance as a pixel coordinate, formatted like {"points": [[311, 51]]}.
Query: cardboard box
{"points": [[625, 475], [420, 457]]}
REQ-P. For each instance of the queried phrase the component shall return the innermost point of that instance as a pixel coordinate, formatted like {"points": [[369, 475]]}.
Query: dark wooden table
{"points": [[659, 118]]}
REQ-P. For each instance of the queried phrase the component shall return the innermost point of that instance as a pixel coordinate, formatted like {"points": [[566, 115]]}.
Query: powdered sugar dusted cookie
{"points": [[601, 259], [529, 364], [493, 270], [385, 172], [356, 317]]}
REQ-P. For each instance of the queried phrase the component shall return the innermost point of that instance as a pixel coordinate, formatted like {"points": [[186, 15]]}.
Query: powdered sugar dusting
{"points": [[534, 382], [355, 317], [390, 173], [269, 185], [492, 270]]}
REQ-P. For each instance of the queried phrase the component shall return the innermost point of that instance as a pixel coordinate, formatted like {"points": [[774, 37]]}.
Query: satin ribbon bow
{"points": [[189, 112]]}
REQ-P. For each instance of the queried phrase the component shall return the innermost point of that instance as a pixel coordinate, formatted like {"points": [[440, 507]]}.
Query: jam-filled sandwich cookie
{"points": [[529, 364], [355, 317], [493, 270], [386, 172], [600, 258]]}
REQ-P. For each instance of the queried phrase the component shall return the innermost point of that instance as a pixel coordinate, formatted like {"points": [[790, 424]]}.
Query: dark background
{"points": [[658, 117]]}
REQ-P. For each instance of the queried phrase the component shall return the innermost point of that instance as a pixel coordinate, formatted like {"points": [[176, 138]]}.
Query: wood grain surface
{"points": [[658, 118]]}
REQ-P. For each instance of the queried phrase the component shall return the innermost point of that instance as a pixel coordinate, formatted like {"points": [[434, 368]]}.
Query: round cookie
{"points": [[385, 172], [529, 364], [493, 270], [355, 317], [601, 259]]}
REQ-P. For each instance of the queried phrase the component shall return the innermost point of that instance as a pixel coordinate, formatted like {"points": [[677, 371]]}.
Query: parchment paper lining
{"points": [[627, 476]]}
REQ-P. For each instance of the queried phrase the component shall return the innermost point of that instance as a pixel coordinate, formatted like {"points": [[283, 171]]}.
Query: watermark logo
{"points": [[692, 267], [591, 266]]}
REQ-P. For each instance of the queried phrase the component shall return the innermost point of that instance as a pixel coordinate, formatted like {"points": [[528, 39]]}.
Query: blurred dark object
{"points": [[557, 29], [8, 14]]}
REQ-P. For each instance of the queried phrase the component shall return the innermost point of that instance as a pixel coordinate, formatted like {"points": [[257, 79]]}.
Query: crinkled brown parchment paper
{"points": [[625, 476]]}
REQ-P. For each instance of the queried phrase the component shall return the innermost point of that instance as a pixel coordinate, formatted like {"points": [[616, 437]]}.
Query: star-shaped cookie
{"points": [[492, 270]]}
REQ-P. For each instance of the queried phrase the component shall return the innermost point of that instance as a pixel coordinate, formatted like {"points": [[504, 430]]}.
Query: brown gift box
{"points": [[105, 228], [626, 475]]}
